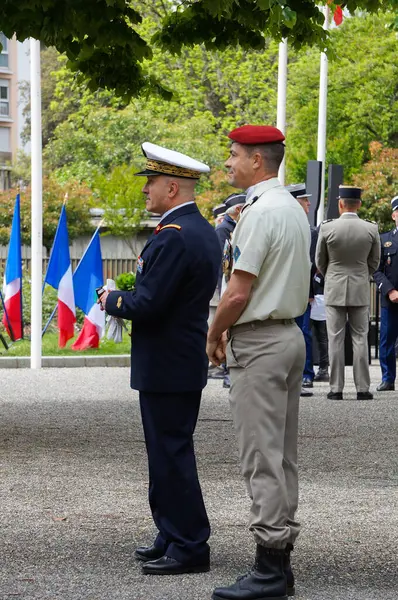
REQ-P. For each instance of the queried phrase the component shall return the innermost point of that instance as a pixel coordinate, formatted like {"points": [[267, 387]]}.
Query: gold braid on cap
{"points": [[162, 167]]}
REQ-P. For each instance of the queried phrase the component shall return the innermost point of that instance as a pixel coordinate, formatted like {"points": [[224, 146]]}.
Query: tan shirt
{"points": [[272, 241], [347, 254]]}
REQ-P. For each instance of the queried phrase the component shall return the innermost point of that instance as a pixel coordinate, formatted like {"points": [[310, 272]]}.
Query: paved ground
{"points": [[73, 499]]}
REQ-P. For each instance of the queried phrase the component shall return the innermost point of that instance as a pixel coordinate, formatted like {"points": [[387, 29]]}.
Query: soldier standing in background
{"points": [[386, 278], [347, 254]]}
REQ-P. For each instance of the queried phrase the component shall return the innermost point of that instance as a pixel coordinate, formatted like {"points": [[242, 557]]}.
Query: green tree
{"points": [[123, 202], [378, 180], [78, 205], [362, 97], [101, 41]]}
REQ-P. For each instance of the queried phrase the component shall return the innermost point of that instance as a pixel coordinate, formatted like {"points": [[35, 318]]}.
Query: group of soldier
{"points": [[354, 261], [265, 288]]}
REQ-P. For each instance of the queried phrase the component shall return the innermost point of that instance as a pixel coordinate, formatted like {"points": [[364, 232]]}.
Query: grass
{"points": [[50, 347]]}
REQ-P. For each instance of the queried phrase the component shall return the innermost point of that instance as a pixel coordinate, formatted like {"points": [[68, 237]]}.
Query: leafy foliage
{"points": [[362, 97], [79, 202], [378, 181], [102, 42], [125, 281], [123, 202]]}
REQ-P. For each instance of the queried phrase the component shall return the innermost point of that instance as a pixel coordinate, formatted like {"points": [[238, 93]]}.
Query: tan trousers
{"points": [[358, 319], [266, 366]]}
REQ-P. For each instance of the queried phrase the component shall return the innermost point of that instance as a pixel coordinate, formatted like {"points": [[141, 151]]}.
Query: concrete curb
{"points": [[104, 360]]}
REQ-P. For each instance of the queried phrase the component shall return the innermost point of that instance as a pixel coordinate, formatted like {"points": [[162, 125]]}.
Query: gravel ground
{"points": [[73, 495]]}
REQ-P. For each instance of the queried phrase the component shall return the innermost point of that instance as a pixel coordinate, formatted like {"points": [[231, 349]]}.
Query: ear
{"points": [[257, 160], [173, 189]]}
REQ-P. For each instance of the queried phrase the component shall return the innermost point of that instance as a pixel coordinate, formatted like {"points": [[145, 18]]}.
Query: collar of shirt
{"points": [[349, 213], [260, 188], [166, 214]]}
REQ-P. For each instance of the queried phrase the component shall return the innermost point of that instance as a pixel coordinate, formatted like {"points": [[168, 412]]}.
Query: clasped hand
{"points": [[216, 349]]}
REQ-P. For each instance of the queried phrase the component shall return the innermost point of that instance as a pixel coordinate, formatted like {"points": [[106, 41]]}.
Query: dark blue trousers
{"points": [[175, 496], [304, 323], [388, 337]]}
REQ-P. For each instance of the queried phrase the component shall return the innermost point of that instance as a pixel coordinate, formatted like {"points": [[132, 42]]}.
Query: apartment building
{"points": [[14, 68]]}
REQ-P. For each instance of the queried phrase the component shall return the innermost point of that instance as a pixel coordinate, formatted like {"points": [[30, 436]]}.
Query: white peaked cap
{"points": [[162, 161]]}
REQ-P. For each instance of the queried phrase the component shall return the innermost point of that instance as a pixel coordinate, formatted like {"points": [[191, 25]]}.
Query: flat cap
{"points": [[394, 203], [256, 134], [350, 192], [219, 210], [162, 161], [235, 199], [298, 190]]}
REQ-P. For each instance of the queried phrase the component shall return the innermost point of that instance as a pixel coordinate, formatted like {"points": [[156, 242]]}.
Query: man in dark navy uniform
{"points": [[386, 278], [169, 308]]}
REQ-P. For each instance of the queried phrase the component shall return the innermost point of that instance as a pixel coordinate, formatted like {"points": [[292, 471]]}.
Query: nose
{"points": [[227, 163]]}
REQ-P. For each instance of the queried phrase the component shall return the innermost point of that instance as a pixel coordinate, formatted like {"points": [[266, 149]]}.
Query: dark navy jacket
{"points": [[386, 275], [224, 232], [169, 308]]}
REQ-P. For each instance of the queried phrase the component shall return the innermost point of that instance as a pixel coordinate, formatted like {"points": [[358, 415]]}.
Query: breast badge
{"points": [[387, 244]]}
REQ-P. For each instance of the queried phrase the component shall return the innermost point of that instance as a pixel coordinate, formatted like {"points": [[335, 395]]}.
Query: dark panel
{"points": [[313, 186], [335, 179]]}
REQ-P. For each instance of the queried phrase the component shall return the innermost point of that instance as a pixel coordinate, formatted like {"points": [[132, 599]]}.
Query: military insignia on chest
{"points": [[387, 244], [140, 264]]}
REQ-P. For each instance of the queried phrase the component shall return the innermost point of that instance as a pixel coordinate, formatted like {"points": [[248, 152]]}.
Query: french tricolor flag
{"points": [[87, 277], [59, 276], [12, 289]]}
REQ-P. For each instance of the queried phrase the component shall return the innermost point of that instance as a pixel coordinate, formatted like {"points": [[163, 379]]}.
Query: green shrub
{"points": [[125, 281]]}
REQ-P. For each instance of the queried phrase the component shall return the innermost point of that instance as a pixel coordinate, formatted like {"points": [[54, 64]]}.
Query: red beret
{"points": [[256, 134]]}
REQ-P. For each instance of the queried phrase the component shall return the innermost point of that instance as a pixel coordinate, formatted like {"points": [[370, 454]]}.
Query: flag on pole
{"points": [[12, 289], [59, 276], [87, 277]]}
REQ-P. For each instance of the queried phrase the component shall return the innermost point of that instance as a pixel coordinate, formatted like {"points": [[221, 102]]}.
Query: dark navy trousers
{"points": [[175, 497], [304, 322], [388, 337]]}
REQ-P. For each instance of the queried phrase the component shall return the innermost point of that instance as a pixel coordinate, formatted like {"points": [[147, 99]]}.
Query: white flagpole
{"points": [[281, 107], [322, 119], [37, 207]]}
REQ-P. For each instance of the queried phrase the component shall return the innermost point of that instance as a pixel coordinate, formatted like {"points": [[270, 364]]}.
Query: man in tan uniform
{"points": [[347, 254], [267, 289]]}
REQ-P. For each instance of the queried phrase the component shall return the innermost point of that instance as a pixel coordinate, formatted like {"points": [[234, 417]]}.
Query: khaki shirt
{"points": [[347, 254], [272, 241]]}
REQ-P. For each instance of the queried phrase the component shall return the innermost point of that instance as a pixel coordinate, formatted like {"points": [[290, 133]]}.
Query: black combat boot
{"points": [[266, 581], [287, 568]]}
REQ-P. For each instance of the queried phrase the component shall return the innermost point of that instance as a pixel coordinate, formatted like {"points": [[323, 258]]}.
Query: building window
{"points": [[4, 52], [5, 141], [4, 98]]}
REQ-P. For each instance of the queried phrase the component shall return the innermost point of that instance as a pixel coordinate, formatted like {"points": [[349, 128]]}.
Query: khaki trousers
{"points": [[266, 366], [358, 319]]}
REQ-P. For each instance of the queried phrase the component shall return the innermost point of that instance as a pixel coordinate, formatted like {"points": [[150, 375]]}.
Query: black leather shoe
{"points": [[335, 396], [322, 375], [266, 581], [305, 393], [307, 382], [146, 553], [386, 386], [169, 566], [364, 396]]}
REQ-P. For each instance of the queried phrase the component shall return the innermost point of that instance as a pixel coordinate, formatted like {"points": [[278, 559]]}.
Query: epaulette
{"points": [[160, 228], [327, 221], [369, 221]]}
